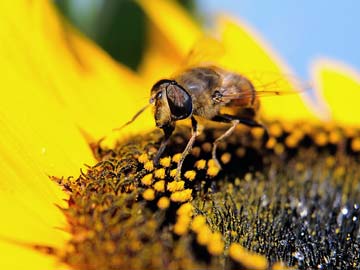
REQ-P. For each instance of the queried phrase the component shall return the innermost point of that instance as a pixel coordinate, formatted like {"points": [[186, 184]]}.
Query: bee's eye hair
{"points": [[180, 102]]}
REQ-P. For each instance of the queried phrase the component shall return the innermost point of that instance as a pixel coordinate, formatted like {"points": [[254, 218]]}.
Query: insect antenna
{"points": [[133, 118]]}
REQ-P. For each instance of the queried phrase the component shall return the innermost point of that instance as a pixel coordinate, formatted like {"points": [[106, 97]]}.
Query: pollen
{"points": [[279, 148], [225, 158], [149, 166], [143, 158], [215, 244], [176, 158], [334, 137], [206, 147], [190, 175], [173, 172], [149, 194], [321, 138], [275, 130], [240, 152], [246, 258], [355, 144], [203, 236], [181, 196], [163, 203], [175, 186], [213, 171], [291, 141], [147, 179], [185, 209], [198, 223], [181, 226], [271, 143], [159, 186], [160, 173], [200, 164], [165, 162], [196, 151], [258, 133]]}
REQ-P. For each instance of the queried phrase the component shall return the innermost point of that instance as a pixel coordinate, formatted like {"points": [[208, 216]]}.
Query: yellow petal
{"points": [[173, 22], [97, 92], [339, 86], [37, 139], [247, 54], [14, 257]]}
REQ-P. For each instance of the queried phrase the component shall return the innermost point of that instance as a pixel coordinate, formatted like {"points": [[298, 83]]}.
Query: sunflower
{"points": [[62, 94]]}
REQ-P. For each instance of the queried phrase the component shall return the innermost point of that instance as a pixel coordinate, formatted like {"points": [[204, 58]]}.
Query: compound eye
{"points": [[159, 95], [180, 102]]}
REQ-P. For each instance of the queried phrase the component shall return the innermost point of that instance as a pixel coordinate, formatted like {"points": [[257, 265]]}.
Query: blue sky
{"points": [[301, 31]]}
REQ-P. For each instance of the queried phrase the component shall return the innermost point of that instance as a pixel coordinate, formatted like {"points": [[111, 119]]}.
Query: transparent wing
{"points": [[207, 51]]}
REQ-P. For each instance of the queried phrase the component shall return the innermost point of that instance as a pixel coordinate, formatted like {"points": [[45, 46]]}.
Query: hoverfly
{"points": [[203, 92]]}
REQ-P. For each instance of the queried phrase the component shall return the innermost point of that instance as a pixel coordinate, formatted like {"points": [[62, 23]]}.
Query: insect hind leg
{"points": [[226, 118]]}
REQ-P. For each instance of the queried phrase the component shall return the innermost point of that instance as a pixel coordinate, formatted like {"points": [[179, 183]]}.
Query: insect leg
{"points": [[194, 133], [168, 130], [226, 118]]}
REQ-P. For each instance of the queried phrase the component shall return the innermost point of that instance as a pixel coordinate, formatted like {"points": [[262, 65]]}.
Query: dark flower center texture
{"points": [[293, 199]]}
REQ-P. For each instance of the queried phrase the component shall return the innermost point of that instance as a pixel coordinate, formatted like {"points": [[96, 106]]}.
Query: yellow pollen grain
{"points": [[257, 133], [334, 137], [349, 132], [288, 126], [240, 152], [215, 246], [149, 165], [339, 171], [270, 144], [159, 186], [149, 194], [203, 236], [279, 148], [173, 172], [185, 209], [176, 158], [206, 147], [275, 130], [321, 138], [147, 179], [225, 158], [181, 196], [291, 141], [165, 162], [190, 175], [211, 163], [143, 158], [160, 173], [246, 258], [163, 203], [198, 223], [355, 144], [181, 226], [196, 151], [330, 161], [213, 171], [175, 186], [200, 164]]}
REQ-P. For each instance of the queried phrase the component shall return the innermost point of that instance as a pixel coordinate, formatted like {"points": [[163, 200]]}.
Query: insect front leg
{"points": [[226, 118], [194, 133], [168, 130]]}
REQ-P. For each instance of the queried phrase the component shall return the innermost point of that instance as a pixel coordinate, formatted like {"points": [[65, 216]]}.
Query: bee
{"points": [[203, 92]]}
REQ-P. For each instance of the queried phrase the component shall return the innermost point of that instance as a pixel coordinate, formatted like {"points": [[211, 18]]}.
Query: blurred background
{"points": [[299, 31]]}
